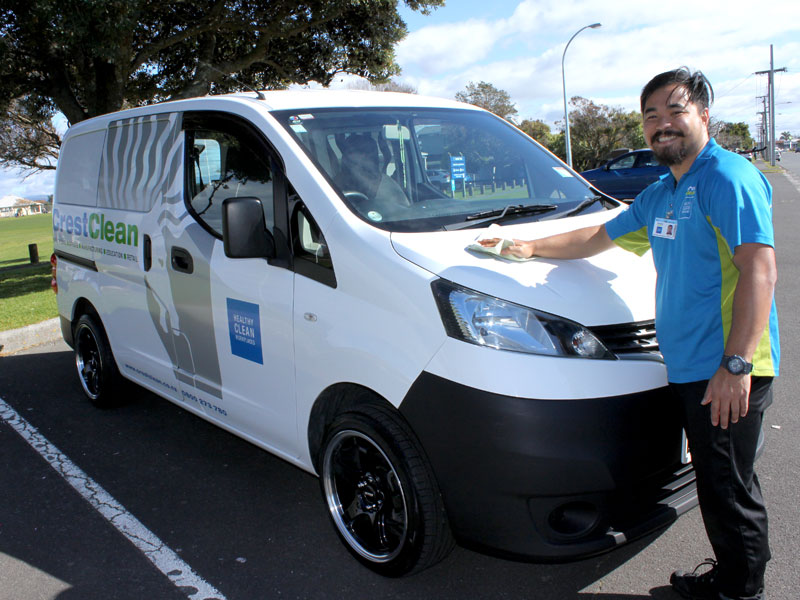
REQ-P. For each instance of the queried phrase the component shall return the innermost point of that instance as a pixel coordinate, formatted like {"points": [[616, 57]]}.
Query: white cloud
{"points": [[439, 48]]}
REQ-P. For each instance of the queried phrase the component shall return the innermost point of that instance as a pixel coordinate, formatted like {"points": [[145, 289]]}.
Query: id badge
{"points": [[665, 228]]}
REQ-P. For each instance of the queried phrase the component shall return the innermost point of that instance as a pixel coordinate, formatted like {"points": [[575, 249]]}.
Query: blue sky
{"points": [[517, 46]]}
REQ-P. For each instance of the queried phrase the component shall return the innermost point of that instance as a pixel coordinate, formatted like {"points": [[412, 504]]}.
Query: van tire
{"points": [[97, 370], [381, 493]]}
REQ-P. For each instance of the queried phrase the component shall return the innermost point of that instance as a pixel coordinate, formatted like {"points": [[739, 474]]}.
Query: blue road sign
{"points": [[458, 167]]}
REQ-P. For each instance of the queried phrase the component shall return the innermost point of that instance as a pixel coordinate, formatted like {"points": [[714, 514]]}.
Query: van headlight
{"points": [[488, 321]]}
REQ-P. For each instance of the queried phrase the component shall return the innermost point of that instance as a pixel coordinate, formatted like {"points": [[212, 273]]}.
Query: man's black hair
{"points": [[696, 84]]}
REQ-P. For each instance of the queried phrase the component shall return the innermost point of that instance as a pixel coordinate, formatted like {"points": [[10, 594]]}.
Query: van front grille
{"points": [[627, 339]]}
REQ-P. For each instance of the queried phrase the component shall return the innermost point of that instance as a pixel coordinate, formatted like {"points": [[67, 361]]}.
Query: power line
{"points": [[726, 92]]}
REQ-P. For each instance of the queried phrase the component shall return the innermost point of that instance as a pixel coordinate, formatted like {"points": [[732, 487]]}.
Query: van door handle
{"points": [[181, 260], [148, 253]]}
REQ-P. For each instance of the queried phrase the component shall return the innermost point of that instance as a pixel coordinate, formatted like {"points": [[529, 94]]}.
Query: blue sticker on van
{"points": [[244, 327]]}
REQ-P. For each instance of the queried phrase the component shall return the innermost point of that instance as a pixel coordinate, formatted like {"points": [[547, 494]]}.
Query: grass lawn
{"points": [[26, 297], [17, 233], [25, 294]]}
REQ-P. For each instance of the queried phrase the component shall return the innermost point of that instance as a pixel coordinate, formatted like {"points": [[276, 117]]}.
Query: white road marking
{"points": [[158, 553]]}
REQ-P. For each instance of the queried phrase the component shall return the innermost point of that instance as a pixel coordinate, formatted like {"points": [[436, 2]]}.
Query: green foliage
{"points": [[731, 135], [90, 57], [558, 145], [787, 136], [538, 130], [485, 95], [595, 130]]}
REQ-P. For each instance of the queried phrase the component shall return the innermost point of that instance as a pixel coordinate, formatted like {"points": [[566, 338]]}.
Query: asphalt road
{"points": [[254, 527]]}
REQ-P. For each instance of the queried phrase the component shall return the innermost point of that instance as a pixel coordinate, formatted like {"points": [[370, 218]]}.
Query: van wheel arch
{"points": [[333, 401], [82, 307]]}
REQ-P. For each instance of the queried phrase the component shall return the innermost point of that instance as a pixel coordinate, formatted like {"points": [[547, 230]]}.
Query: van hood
{"points": [[613, 287]]}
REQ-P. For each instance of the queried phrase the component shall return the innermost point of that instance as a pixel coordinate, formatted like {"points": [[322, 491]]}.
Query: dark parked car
{"points": [[626, 175]]}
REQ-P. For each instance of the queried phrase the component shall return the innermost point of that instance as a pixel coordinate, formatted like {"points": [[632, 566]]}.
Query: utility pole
{"points": [[762, 128], [771, 94]]}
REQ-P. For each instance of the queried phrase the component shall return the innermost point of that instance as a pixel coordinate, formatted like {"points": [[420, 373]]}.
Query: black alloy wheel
{"points": [[97, 371], [381, 494]]}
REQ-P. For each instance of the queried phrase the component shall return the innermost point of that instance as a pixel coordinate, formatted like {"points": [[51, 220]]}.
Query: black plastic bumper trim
{"points": [[504, 464]]}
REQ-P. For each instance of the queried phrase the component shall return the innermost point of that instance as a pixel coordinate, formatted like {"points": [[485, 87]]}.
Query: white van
{"points": [[294, 268]]}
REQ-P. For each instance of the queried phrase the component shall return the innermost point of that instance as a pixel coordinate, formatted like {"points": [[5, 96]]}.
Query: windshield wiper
{"points": [[496, 215], [585, 204]]}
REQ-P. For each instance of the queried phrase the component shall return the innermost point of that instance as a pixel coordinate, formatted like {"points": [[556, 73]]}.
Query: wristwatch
{"points": [[736, 365]]}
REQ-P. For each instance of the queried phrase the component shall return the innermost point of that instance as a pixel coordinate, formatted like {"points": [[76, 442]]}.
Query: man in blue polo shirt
{"points": [[709, 224]]}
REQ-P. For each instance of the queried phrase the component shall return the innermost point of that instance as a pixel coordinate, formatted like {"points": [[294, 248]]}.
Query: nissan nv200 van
{"points": [[295, 268]]}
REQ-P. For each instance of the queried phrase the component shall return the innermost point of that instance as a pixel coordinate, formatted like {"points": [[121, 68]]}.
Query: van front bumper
{"points": [[552, 479]]}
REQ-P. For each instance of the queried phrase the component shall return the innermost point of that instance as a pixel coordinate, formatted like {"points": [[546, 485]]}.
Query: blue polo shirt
{"points": [[693, 229]]}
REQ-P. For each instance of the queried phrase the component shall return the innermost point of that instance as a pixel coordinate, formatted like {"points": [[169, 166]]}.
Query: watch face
{"points": [[735, 365]]}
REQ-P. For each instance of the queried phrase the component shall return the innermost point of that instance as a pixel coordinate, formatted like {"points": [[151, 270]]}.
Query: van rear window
{"points": [[78, 168]]}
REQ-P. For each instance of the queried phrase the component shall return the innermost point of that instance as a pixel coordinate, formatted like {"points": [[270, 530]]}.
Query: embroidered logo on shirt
{"points": [[688, 200]]}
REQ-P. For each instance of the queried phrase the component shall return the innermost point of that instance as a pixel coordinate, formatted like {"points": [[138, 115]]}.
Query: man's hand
{"points": [[729, 397], [521, 248], [580, 243]]}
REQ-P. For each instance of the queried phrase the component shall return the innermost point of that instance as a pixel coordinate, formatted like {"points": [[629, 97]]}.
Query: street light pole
{"points": [[564, 87]]}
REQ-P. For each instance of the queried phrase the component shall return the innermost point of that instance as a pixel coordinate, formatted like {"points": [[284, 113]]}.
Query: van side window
{"points": [[225, 164], [312, 257]]}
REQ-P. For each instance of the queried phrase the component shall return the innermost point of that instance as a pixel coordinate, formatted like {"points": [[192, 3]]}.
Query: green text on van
{"points": [[96, 226]]}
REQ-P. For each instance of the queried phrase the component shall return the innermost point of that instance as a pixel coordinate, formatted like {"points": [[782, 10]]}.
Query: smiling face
{"points": [[675, 128]]}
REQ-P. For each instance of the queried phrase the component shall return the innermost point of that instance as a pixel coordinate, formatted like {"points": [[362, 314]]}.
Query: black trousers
{"points": [[730, 498]]}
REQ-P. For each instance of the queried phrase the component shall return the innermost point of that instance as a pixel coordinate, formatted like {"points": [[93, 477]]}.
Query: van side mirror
{"points": [[244, 229]]}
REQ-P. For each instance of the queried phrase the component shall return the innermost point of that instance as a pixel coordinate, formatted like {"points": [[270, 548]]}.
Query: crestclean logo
{"points": [[96, 226]]}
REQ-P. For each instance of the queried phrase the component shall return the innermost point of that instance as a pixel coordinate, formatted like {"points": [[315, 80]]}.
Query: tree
{"points": [[28, 139], [538, 130], [595, 130], [485, 95], [731, 135], [787, 136], [89, 57]]}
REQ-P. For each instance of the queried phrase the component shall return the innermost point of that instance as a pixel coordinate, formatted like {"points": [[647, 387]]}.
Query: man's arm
{"points": [[579, 243], [752, 302]]}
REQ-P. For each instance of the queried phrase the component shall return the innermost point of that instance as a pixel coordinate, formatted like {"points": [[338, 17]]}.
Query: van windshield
{"points": [[431, 169]]}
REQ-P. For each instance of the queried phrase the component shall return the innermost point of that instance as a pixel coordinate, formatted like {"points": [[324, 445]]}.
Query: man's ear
{"points": [[705, 115]]}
